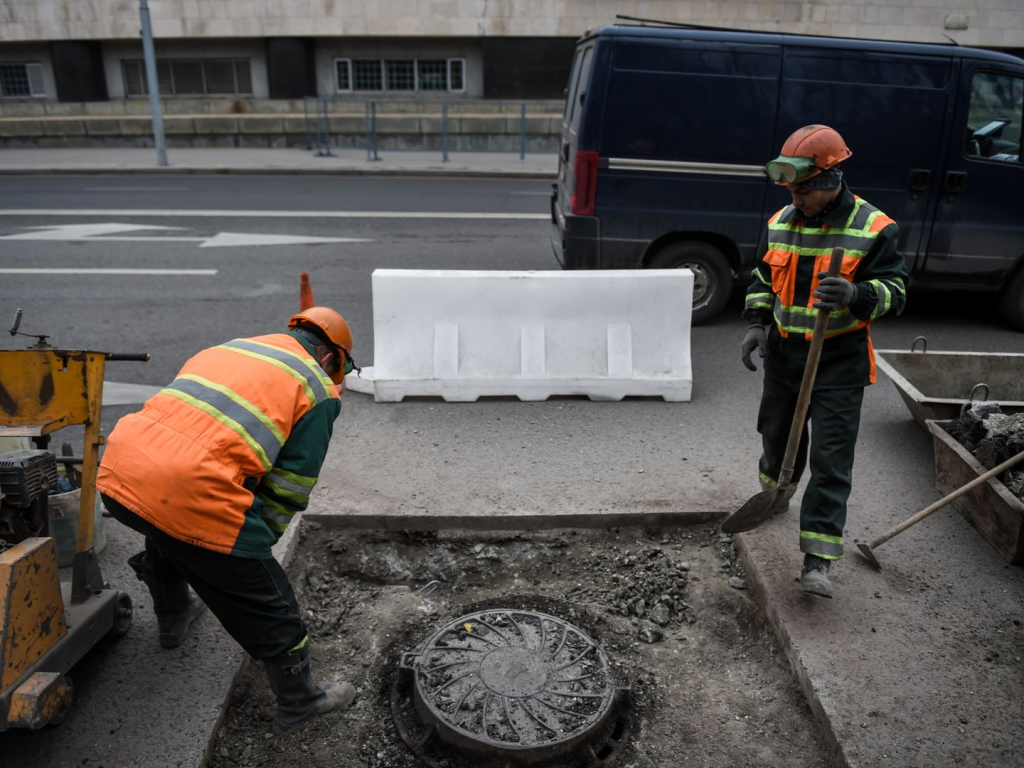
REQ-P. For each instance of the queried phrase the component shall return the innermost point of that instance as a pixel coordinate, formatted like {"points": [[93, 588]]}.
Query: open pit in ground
{"points": [[668, 608]]}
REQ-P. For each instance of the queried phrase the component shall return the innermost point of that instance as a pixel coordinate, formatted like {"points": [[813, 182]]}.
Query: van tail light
{"points": [[585, 170]]}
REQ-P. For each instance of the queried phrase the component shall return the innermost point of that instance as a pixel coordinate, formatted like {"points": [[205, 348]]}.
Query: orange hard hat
{"points": [[329, 325], [819, 143]]}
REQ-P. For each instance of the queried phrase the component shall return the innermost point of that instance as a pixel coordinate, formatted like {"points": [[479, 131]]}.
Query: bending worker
{"points": [[789, 285], [212, 470]]}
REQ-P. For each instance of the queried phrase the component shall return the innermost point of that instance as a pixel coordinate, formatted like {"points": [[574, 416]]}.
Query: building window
{"points": [[343, 73], [397, 75], [367, 75], [190, 77], [21, 80]]}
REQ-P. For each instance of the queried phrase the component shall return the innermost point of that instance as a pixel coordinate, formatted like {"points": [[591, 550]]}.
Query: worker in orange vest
{"points": [[789, 285], [212, 470]]}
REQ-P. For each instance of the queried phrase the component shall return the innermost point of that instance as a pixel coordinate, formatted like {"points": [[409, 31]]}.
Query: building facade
{"points": [[74, 51]]}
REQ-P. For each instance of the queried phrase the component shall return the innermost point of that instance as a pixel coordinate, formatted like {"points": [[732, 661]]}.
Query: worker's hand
{"points": [[756, 338], [834, 292]]}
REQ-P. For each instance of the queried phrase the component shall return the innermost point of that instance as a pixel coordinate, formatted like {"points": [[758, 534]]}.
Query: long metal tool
{"points": [[868, 549], [762, 506]]}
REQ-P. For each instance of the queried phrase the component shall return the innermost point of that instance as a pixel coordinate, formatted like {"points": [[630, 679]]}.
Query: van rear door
{"points": [[571, 119], [892, 109], [978, 235]]}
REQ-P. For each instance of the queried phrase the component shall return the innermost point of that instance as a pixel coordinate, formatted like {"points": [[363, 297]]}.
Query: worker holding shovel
{"points": [[813, 330]]}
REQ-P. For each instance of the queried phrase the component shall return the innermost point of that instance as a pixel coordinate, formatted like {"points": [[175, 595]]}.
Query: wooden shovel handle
{"points": [[807, 384], [953, 496]]}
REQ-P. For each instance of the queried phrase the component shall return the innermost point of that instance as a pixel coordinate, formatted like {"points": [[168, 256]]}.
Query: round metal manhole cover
{"points": [[520, 684]]}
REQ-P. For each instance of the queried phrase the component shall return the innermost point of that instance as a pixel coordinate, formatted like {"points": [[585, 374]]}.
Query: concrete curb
{"points": [[759, 593], [271, 171]]}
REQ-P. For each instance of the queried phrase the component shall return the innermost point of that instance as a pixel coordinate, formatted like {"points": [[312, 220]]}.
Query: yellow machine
{"points": [[46, 626]]}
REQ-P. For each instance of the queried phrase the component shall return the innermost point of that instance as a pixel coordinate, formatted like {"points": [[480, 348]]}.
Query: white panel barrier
{"points": [[461, 335]]}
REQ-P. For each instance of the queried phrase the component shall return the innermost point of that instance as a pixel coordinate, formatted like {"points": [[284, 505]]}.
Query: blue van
{"points": [[666, 132]]}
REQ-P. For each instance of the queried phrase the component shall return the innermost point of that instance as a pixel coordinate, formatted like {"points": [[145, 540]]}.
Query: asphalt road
{"points": [[404, 223]]}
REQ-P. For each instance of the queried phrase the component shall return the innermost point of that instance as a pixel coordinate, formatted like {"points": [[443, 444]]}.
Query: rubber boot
{"points": [[298, 697], [175, 604], [814, 576]]}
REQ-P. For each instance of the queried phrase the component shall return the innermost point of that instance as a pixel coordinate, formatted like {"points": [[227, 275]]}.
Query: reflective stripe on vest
{"points": [[233, 411], [314, 383], [788, 243]]}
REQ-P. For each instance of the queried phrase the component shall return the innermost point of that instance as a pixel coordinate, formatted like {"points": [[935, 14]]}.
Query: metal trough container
{"points": [[991, 508], [937, 385]]}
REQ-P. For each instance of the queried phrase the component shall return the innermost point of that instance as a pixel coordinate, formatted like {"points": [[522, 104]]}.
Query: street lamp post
{"points": [[151, 83]]}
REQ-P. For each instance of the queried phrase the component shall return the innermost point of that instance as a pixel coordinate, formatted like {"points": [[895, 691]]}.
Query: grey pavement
{"points": [[275, 161]]}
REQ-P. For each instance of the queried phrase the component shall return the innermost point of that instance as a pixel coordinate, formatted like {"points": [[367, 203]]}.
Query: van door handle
{"points": [[919, 181], [955, 183]]}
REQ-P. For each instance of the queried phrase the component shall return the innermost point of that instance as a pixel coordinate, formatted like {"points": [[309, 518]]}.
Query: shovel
{"points": [[762, 506], [868, 549]]}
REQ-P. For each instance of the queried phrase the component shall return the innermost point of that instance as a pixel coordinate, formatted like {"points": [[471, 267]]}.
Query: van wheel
{"points": [[1011, 300], [712, 277]]}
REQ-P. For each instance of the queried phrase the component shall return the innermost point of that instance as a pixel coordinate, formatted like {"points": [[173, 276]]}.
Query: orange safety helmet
{"points": [[819, 147], [328, 324]]}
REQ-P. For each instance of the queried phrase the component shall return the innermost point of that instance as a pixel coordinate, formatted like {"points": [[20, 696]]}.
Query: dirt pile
{"points": [[669, 610], [992, 437]]}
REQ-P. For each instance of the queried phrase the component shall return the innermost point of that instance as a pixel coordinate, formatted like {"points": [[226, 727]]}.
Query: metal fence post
{"points": [[522, 132], [373, 115], [444, 132], [366, 111], [305, 122]]}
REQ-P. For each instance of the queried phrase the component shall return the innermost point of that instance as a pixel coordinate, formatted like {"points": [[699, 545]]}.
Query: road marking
{"points": [[232, 239], [163, 213], [136, 189], [539, 194], [45, 271], [116, 393], [107, 233]]}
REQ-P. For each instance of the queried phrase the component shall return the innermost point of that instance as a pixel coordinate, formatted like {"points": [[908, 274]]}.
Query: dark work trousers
{"points": [[252, 598], [835, 420]]}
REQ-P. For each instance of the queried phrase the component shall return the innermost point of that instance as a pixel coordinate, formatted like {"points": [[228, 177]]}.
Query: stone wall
{"points": [[986, 23], [278, 123]]}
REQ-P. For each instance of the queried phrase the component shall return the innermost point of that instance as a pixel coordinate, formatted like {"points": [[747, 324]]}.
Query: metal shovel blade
{"points": [[759, 509], [869, 555]]}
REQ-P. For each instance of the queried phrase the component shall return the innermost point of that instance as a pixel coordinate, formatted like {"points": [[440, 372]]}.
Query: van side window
{"points": [[571, 88], [580, 89], [994, 118]]}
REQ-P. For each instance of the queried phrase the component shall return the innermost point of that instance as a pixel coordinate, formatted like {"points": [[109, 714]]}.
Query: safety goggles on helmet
{"points": [[791, 170]]}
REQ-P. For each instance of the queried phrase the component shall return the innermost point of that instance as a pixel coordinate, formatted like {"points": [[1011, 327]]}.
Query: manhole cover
{"points": [[521, 685]]}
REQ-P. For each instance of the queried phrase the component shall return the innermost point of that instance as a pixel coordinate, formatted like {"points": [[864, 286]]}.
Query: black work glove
{"points": [[756, 338], [834, 292]]}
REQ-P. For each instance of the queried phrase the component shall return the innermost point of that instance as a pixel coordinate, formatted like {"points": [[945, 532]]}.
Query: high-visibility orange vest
{"points": [[789, 242], [189, 460]]}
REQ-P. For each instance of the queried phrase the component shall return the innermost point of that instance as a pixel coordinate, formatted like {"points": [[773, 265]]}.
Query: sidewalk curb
{"points": [[759, 593], [278, 171]]}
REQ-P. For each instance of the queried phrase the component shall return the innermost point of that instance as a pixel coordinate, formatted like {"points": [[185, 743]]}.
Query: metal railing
{"points": [[323, 116]]}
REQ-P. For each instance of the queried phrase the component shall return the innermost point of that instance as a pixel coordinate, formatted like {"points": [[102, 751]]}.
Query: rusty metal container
{"points": [[991, 508], [936, 385]]}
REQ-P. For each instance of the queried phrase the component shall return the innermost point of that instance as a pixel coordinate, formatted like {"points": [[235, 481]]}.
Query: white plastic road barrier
{"points": [[461, 335]]}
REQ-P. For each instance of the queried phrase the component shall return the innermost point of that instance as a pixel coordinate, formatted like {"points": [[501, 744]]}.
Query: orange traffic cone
{"points": [[305, 293]]}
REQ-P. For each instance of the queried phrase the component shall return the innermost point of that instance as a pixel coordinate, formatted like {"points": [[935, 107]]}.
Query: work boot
{"points": [[174, 628], [814, 576], [298, 697], [175, 604]]}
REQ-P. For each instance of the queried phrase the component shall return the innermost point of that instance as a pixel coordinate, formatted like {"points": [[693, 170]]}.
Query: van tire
{"points": [[1011, 300], [712, 276]]}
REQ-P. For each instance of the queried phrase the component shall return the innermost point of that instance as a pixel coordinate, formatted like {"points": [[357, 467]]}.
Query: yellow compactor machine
{"points": [[46, 626]]}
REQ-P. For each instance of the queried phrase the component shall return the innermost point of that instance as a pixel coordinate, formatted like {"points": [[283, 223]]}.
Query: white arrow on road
{"points": [[112, 233]]}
